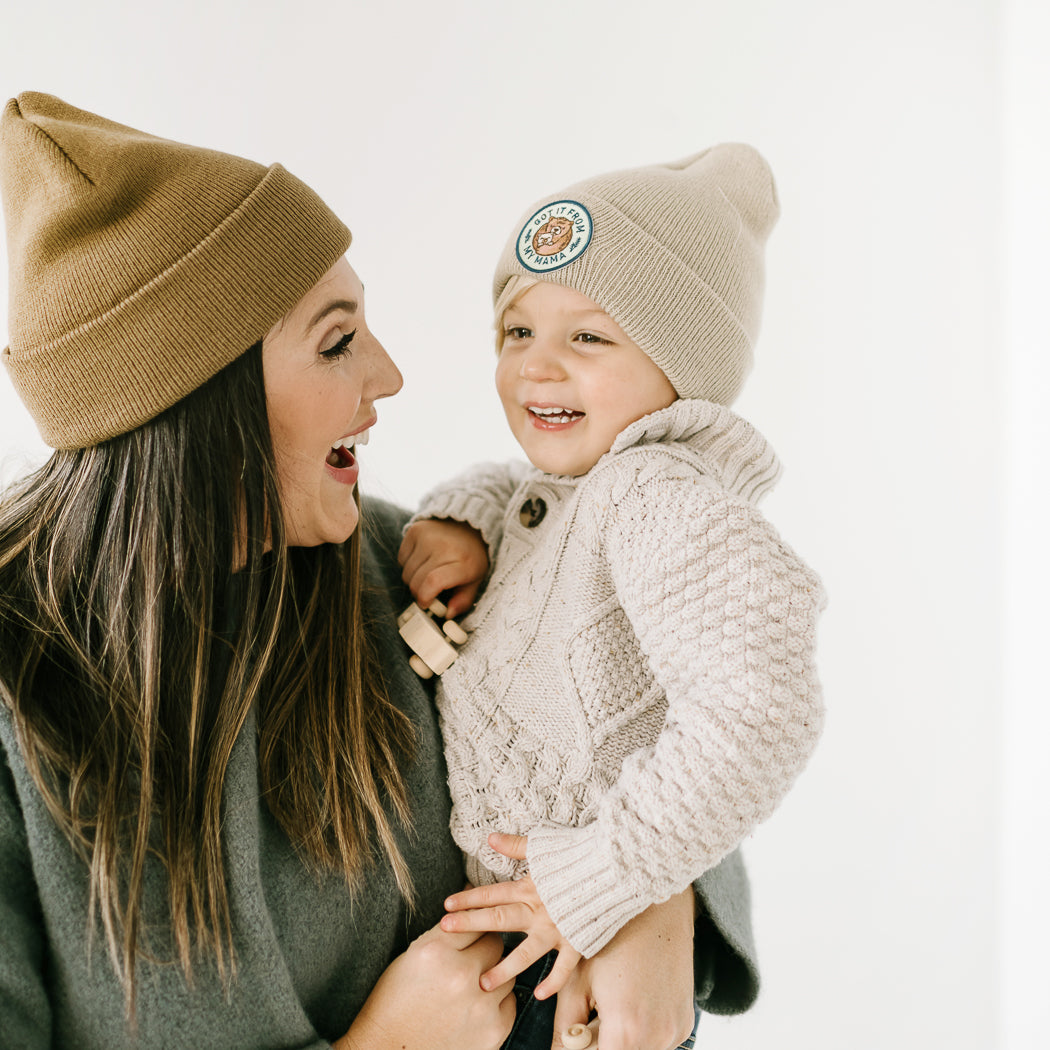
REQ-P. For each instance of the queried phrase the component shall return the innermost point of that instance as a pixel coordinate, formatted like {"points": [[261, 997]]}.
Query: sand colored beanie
{"points": [[672, 252], [140, 267]]}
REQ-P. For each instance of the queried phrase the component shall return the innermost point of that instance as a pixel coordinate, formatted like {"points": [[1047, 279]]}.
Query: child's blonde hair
{"points": [[513, 290]]}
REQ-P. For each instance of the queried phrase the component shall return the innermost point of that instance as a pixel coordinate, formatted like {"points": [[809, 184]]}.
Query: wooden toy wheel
{"points": [[419, 667], [576, 1037], [454, 632], [438, 609]]}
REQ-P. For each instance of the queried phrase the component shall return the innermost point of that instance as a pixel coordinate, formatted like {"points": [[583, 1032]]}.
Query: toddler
{"points": [[638, 690]]}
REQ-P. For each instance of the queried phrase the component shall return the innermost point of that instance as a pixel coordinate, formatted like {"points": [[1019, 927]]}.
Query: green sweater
{"points": [[308, 952]]}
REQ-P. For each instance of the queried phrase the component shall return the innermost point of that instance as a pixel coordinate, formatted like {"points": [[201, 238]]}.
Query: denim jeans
{"points": [[534, 1025]]}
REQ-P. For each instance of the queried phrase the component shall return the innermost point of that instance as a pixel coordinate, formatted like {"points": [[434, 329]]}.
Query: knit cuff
{"points": [[586, 895], [469, 507], [478, 497]]}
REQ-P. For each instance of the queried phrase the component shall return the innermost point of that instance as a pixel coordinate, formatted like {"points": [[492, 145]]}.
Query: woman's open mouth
{"points": [[341, 463], [340, 457]]}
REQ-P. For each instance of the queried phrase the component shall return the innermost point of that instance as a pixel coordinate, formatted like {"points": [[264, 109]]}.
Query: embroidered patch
{"points": [[555, 235]]}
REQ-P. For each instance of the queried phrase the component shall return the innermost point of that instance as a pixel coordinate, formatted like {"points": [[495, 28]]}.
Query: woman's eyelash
{"points": [[340, 348]]}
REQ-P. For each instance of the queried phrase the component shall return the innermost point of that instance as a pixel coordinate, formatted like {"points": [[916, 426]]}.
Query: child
{"points": [[638, 691]]}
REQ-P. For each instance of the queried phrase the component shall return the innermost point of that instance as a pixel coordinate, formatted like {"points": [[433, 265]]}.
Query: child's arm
{"points": [[513, 907], [724, 614]]}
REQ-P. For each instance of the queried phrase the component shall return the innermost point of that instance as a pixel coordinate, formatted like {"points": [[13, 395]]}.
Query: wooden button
{"points": [[532, 512]]}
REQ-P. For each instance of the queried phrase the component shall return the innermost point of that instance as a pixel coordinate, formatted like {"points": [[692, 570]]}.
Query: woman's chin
{"points": [[333, 526]]}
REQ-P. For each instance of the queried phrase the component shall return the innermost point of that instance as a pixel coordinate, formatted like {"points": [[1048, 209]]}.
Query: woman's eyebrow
{"points": [[348, 305]]}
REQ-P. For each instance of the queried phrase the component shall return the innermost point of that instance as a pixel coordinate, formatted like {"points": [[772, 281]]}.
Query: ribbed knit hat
{"points": [[140, 267], [672, 252]]}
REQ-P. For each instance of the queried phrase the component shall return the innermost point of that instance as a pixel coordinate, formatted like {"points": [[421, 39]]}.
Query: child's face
{"points": [[570, 380]]}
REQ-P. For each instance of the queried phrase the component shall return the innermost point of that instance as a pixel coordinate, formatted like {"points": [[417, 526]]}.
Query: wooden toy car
{"points": [[431, 645]]}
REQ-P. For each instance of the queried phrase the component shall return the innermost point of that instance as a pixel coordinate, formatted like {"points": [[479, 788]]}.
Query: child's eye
{"points": [[341, 348], [591, 337], [517, 331]]}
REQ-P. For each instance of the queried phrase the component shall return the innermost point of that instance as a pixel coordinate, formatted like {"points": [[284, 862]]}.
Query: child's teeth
{"points": [[362, 438], [562, 415]]}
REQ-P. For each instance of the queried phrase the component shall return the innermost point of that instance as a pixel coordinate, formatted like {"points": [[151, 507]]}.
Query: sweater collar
{"points": [[729, 448]]}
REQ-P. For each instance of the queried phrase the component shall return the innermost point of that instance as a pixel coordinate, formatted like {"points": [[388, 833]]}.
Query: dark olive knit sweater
{"points": [[308, 953]]}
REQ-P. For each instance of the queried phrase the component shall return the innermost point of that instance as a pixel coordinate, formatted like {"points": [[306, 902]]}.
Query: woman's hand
{"points": [[513, 906], [439, 555], [640, 983], [430, 998]]}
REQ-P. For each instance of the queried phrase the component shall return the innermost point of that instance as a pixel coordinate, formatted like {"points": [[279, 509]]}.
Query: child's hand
{"points": [[438, 555], [515, 906]]}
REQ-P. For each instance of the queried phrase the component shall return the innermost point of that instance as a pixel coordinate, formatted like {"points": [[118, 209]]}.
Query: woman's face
{"points": [[324, 371]]}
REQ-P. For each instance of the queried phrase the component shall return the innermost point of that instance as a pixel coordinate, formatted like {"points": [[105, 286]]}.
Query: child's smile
{"points": [[570, 379], [548, 417]]}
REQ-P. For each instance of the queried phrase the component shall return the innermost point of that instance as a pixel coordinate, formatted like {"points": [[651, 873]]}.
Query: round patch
{"points": [[556, 234]]}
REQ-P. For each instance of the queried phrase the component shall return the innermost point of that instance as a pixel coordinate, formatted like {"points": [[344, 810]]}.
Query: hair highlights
{"points": [[132, 653]]}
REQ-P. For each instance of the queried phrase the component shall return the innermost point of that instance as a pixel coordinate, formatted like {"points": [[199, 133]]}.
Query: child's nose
{"points": [[542, 363]]}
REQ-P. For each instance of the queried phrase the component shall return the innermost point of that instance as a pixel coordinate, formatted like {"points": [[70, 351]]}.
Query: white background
{"points": [[901, 891]]}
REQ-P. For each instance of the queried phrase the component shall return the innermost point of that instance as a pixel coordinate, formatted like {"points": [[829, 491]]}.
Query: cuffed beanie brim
{"points": [[140, 267]]}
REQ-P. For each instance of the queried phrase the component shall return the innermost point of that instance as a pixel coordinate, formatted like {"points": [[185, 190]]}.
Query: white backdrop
{"points": [[901, 375]]}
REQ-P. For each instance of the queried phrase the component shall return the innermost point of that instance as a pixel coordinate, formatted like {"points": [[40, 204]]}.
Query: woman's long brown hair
{"points": [[131, 655]]}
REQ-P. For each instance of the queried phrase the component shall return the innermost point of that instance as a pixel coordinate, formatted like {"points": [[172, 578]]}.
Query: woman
{"points": [[223, 818]]}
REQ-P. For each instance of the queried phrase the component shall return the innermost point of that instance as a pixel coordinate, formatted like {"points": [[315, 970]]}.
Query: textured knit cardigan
{"points": [[639, 690], [308, 950]]}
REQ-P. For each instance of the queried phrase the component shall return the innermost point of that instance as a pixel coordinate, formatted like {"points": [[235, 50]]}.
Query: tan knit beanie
{"points": [[140, 267], [672, 252]]}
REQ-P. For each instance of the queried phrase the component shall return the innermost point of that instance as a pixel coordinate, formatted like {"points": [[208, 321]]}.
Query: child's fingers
{"points": [[475, 897], [461, 600], [516, 891], [413, 566], [519, 960], [433, 576], [504, 918], [513, 846], [408, 545], [515, 962], [424, 579], [459, 941], [554, 982], [424, 586]]}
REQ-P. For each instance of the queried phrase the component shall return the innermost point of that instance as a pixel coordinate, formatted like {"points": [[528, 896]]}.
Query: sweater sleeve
{"points": [[479, 497], [23, 997], [725, 614]]}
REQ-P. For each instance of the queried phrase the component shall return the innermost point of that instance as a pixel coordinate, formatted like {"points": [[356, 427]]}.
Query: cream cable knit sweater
{"points": [[639, 691]]}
